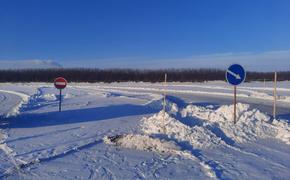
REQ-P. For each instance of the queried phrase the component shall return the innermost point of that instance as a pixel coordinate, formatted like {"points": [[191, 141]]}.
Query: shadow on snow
{"points": [[75, 116]]}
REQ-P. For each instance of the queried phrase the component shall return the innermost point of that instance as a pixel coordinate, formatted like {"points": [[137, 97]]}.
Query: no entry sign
{"points": [[60, 83]]}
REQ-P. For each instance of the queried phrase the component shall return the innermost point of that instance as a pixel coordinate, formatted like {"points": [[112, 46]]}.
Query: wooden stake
{"points": [[275, 96], [164, 94], [264, 85], [164, 102], [235, 104]]}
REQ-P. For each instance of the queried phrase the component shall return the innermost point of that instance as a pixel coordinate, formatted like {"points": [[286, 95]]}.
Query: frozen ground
{"points": [[118, 131]]}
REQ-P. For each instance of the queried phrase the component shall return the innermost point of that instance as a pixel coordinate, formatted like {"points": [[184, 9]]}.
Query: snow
{"points": [[196, 136], [142, 142], [251, 123], [119, 131], [147, 143], [15, 110]]}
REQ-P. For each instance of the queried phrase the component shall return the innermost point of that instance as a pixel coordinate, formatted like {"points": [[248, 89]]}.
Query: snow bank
{"points": [[48, 97], [251, 123], [142, 142], [204, 127], [283, 130], [182, 131], [196, 136], [171, 108]]}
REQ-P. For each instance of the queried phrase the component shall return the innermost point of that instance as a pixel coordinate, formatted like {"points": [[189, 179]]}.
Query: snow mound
{"points": [[69, 96], [157, 103], [251, 123], [163, 124], [49, 97], [142, 142], [54, 97], [283, 130]]}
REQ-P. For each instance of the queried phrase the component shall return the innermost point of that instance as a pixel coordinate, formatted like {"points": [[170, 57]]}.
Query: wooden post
{"points": [[264, 85], [275, 96], [59, 100], [164, 101], [164, 94], [235, 104]]}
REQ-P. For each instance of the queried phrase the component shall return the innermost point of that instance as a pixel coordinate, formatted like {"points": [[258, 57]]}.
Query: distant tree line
{"points": [[123, 75]]}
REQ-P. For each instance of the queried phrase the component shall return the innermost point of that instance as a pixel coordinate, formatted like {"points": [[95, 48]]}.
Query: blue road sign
{"points": [[235, 74]]}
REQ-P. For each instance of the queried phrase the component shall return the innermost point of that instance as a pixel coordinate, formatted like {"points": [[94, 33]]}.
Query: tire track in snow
{"points": [[19, 167], [252, 95], [125, 93], [12, 102], [16, 104]]}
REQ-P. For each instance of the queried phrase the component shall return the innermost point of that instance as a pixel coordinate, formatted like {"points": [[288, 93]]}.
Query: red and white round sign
{"points": [[60, 83]]}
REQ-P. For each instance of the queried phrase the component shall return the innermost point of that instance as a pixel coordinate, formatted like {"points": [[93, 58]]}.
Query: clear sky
{"points": [[147, 33]]}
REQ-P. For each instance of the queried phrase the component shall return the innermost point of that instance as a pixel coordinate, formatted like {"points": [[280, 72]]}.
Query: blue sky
{"points": [[147, 33]]}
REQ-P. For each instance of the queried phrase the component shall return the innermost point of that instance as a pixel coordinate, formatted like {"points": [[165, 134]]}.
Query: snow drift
{"points": [[203, 127], [142, 142], [163, 124], [251, 123]]}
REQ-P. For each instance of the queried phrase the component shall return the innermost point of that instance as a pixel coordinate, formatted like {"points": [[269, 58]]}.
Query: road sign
{"points": [[60, 83], [235, 74]]}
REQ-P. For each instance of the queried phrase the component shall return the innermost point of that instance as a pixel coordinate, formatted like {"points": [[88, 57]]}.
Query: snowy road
{"points": [[7, 102], [38, 142]]}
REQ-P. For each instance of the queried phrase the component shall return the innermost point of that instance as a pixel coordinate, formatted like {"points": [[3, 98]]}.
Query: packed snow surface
{"points": [[119, 131]]}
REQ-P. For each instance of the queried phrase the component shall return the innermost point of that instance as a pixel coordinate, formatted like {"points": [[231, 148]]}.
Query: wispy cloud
{"points": [[28, 64], [263, 61]]}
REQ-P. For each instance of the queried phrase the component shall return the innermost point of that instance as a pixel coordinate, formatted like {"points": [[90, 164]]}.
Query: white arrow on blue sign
{"points": [[235, 74]]}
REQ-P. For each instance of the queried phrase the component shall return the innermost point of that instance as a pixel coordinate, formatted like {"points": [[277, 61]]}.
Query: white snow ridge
{"points": [[251, 123], [143, 142], [202, 127], [172, 128]]}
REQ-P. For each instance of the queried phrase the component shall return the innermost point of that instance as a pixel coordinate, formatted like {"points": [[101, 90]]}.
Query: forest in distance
{"points": [[124, 75]]}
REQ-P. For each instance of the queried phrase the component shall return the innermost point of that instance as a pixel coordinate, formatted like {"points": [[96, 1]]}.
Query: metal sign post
{"points": [[59, 109], [235, 75], [60, 83], [235, 104]]}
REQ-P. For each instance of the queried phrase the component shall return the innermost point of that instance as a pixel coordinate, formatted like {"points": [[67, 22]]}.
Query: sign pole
{"points": [[60, 100], [235, 75], [235, 104], [60, 83], [275, 96]]}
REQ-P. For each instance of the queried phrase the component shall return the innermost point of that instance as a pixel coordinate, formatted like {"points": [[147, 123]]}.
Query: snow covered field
{"points": [[118, 131]]}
